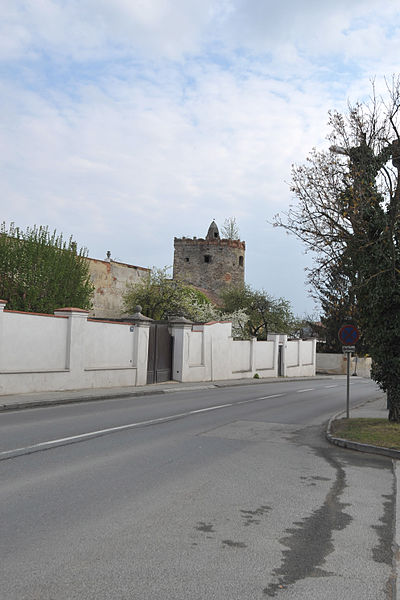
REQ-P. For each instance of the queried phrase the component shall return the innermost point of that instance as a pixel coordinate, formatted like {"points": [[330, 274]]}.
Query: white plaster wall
{"points": [[241, 357], [292, 354], [363, 366], [202, 352], [108, 345], [304, 350], [336, 364], [219, 344], [223, 358], [266, 359], [32, 342], [46, 381], [331, 364], [196, 348], [307, 352], [46, 353]]}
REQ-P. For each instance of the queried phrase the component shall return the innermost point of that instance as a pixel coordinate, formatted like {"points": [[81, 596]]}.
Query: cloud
{"points": [[127, 123]]}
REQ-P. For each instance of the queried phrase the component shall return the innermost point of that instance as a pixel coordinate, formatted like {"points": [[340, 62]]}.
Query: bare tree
{"points": [[348, 217], [230, 230]]}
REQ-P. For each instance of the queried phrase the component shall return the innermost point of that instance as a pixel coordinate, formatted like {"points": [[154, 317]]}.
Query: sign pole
{"points": [[348, 334], [348, 354]]}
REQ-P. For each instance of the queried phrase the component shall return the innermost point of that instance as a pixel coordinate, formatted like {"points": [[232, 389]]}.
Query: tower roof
{"points": [[213, 232]]}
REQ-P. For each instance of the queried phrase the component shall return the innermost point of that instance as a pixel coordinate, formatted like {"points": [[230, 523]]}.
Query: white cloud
{"points": [[126, 123]]}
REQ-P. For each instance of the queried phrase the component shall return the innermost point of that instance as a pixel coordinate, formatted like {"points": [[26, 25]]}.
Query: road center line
{"points": [[100, 432], [330, 386], [307, 390], [262, 398]]}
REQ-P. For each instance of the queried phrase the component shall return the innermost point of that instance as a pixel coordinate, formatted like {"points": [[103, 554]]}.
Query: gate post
{"points": [[180, 328], [140, 344]]}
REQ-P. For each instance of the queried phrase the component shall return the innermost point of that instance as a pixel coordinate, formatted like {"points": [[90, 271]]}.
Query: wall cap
{"points": [[71, 309], [138, 318]]}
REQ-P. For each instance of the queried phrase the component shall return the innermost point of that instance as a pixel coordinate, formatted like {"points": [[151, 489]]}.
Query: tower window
{"points": [[240, 261], [207, 258], [186, 259]]}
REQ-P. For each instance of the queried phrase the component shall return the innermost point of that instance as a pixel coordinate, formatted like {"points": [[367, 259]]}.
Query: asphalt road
{"points": [[226, 493]]}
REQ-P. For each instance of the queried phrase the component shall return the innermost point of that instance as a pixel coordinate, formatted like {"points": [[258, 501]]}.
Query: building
{"points": [[210, 264], [110, 280]]}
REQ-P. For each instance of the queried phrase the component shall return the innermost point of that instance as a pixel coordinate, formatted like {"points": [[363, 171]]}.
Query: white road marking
{"points": [[307, 390], [330, 386], [101, 432], [262, 398], [194, 412]]}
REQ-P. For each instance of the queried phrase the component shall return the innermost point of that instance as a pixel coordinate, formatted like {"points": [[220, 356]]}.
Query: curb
{"points": [[59, 401], [83, 398], [357, 445]]}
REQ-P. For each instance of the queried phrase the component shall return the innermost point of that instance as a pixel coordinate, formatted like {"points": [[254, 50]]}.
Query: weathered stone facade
{"points": [[211, 263], [110, 280]]}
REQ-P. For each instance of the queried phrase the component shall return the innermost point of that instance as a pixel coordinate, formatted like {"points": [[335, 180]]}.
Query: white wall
{"points": [[108, 345], [336, 364], [67, 351], [208, 353], [300, 358], [266, 359], [33, 342]]}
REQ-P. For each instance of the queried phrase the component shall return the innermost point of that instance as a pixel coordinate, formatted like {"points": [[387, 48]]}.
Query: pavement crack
{"points": [[311, 541]]}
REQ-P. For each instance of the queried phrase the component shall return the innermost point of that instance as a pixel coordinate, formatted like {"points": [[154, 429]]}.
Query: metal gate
{"points": [[280, 361], [159, 365]]}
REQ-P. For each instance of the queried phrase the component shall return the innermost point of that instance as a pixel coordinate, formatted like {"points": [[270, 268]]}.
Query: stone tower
{"points": [[211, 263]]}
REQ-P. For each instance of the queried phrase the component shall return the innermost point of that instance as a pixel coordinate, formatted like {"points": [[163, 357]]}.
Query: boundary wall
{"points": [[208, 353], [336, 364], [68, 351]]}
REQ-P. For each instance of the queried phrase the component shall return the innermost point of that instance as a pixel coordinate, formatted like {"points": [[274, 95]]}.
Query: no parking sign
{"points": [[349, 335]]}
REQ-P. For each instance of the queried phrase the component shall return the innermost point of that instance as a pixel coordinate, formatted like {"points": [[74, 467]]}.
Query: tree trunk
{"points": [[394, 404]]}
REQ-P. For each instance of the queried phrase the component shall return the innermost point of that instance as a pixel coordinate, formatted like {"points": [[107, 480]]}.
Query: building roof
{"points": [[213, 232]]}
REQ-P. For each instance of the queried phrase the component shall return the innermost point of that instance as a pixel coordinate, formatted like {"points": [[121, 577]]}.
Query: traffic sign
{"points": [[348, 349], [349, 335]]}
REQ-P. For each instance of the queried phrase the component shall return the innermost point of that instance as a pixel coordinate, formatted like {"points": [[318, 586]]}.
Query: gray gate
{"points": [[159, 365], [280, 361]]}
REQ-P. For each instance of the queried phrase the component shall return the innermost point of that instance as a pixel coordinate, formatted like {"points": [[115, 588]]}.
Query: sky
{"points": [[125, 123]]}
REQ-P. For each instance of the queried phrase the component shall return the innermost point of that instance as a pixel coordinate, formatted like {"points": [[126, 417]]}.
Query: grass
{"points": [[378, 432]]}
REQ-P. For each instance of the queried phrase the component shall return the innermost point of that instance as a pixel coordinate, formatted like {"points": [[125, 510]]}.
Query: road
{"points": [[228, 493]]}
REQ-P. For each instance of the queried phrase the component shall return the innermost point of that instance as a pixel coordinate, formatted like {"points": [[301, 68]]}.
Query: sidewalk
{"points": [[22, 401]]}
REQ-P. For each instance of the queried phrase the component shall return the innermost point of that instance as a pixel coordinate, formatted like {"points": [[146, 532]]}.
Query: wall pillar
{"points": [[283, 341], [180, 358], [253, 343], [314, 355], [141, 351], [75, 354], [3, 304], [141, 336]]}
